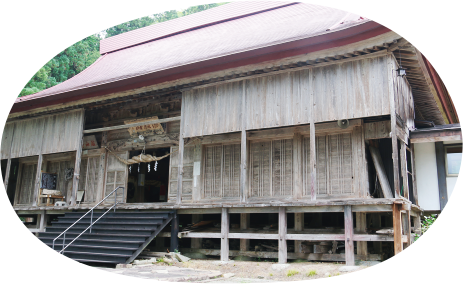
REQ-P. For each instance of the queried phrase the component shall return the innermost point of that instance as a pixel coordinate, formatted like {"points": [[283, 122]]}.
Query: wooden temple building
{"points": [[284, 131]]}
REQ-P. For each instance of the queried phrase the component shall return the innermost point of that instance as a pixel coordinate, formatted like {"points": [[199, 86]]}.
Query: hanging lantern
{"points": [[401, 71]]}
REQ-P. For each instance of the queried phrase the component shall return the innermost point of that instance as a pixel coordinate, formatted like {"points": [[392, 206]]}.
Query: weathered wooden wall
{"points": [[213, 110], [43, 135], [403, 98], [344, 90]]}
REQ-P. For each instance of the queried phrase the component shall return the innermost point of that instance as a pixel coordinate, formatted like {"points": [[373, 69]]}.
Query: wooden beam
{"points": [[312, 162], [441, 174], [435, 136], [349, 235], [397, 226], [361, 226], [125, 126], [282, 229], [245, 222], [297, 166], [404, 169], [225, 228], [316, 237], [381, 172]]}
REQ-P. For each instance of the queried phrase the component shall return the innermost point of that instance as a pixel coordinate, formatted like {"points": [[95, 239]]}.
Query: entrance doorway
{"points": [[147, 182]]}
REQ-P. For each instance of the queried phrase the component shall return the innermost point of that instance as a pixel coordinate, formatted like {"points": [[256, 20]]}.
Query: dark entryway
{"points": [[147, 184]]}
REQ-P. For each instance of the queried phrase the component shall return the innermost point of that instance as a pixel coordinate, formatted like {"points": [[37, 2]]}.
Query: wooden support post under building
{"points": [[376, 223], [245, 220], [361, 226], [174, 233], [41, 222], [349, 235], [196, 243], [298, 226], [282, 229], [37, 181], [397, 226], [225, 229], [7, 175], [407, 228]]}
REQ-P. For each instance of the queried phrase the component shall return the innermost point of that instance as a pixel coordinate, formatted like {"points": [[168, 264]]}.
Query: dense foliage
{"points": [[82, 54], [426, 224]]}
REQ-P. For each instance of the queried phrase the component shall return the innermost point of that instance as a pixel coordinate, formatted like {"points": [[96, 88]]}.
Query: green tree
{"points": [[82, 54]]}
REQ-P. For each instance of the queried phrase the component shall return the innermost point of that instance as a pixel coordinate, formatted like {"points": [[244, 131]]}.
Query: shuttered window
{"points": [[27, 180], [222, 171], [334, 165], [187, 178], [271, 169]]}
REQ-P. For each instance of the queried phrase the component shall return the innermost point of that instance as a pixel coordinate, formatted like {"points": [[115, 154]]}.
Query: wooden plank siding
{"points": [[43, 135], [344, 90]]}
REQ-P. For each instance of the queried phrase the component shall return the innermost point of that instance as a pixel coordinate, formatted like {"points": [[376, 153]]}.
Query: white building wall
{"points": [[426, 176]]}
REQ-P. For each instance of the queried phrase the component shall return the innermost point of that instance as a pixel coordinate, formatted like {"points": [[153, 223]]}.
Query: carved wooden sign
{"points": [[145, 130], [90, 142]]}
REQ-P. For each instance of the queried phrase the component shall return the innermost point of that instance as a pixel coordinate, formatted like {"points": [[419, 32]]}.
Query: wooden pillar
{"points": [[395, 152], [441, 174], [7, 174], [415, 190], [244, 149], [361, 226], [297, 165], [38, 175], [43, 221], [313, 167], [403, 166], [196, 243], [245, 223], [225, 228], [196, 192], [376, 223], [298, 227], [282, 229], [407, 228], [174, 233], [181, 144], [397, 226], [349, 235], [417, 225], [75, 179]]}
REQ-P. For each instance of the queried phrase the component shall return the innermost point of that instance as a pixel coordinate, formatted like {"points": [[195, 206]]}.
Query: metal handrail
{"points": [[91, 218]]}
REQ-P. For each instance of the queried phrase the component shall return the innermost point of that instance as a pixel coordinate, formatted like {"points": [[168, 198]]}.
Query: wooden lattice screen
{"points": [[334, 165], [271, 169], [222, 171]]}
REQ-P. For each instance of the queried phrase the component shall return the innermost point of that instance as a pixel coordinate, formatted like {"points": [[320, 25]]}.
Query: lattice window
{"points": [[89, 176], [334, 164], [116, 175], [271, 170], [222, 171]]}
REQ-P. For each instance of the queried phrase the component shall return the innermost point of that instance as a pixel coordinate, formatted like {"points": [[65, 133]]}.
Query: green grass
{"points": [[292, 272], [271, 274], [311, 273]]}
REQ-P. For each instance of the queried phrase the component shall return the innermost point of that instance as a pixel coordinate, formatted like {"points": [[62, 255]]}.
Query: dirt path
{"points": [[250, 271]]}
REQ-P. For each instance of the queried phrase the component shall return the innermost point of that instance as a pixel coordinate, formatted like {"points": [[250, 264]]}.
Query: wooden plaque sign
{"points": [[48, 181]]}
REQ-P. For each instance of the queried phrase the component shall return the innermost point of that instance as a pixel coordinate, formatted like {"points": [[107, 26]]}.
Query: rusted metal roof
{"points": [[273, 27]]}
